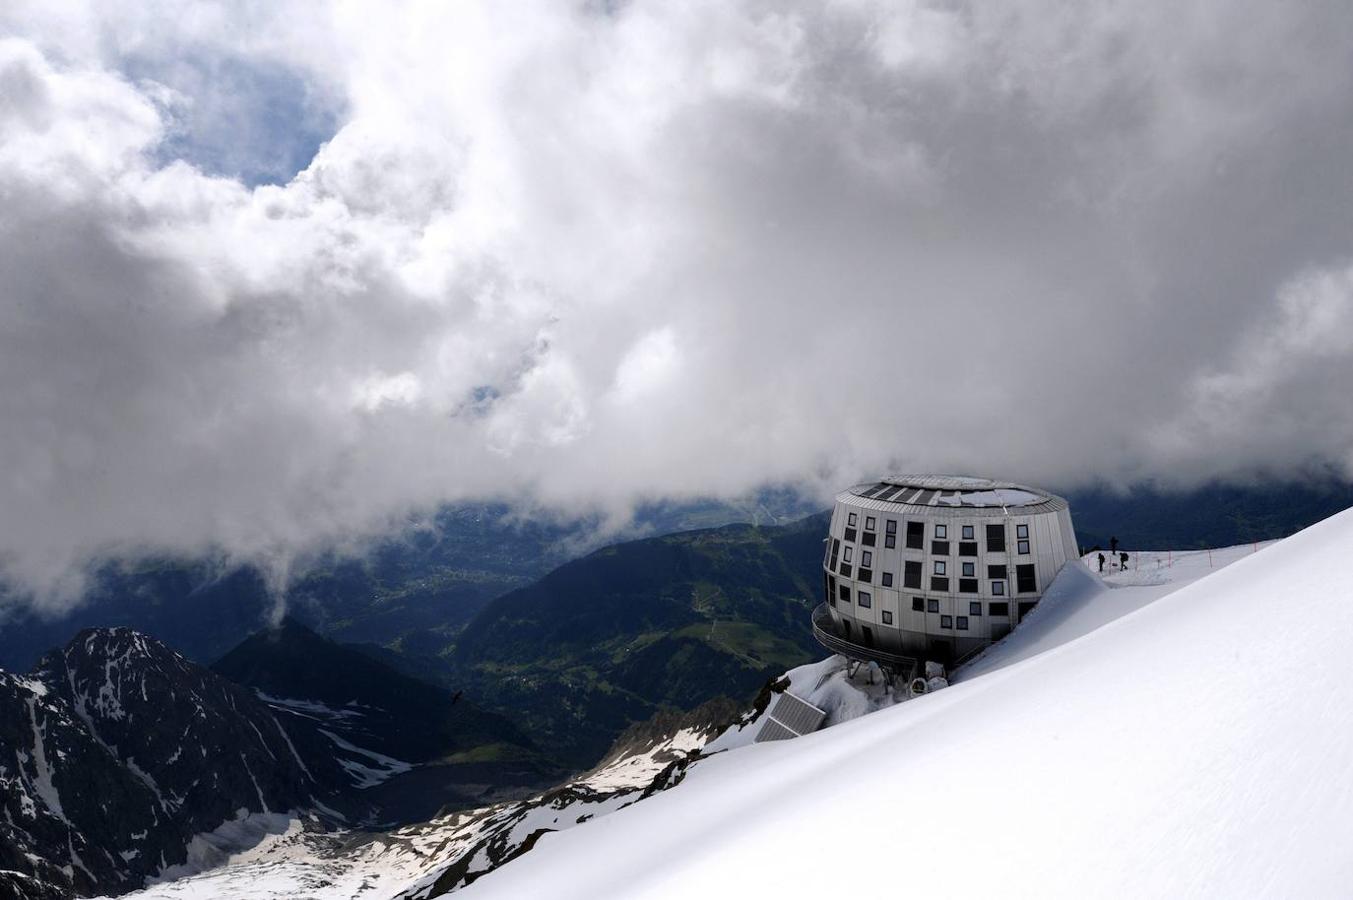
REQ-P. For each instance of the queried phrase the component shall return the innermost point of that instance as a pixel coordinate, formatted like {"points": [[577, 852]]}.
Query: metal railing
{"points": [[824, 631]]}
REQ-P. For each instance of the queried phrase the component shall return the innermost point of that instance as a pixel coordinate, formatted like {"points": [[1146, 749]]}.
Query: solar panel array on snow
{"points": [[790, 717]]}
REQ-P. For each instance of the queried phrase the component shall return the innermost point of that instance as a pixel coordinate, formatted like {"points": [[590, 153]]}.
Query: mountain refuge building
{"points": [[936, 567]]}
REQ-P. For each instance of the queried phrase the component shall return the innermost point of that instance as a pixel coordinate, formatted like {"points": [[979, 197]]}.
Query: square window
{"points": [[915, 535], [939, 548], [939, 566], [850, 534], [996, 538], [1021, 531], [911, 574], [969, 570], [998, 589], [887, 579], [998, 609], [939, 585], [845, 594], [1023, 547], [866, 558], [918, 604], [868, 538], [962, 623], [967, 532], [865, 599], [974, 608], [967, 548], [941, 531], [967, 585], [932, 606], [870, 523], [996, 571], [865, 575], [846, 555], [946, 621], [887, 617], [1025, 580], [890, 541], [844, 570], [890, 526], [852, 519]]}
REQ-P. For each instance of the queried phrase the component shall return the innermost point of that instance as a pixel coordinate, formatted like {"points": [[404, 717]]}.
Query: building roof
{"points": [[951, 494]]}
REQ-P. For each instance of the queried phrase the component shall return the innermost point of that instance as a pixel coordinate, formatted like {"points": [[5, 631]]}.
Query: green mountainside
{"points": [[667, 622]]}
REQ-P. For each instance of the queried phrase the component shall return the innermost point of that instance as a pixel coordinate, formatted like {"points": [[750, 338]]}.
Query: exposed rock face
{"points": [[116, 750]]}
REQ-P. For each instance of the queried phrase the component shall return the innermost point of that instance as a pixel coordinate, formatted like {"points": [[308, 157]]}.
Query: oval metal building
{"points": [[936, 567]]}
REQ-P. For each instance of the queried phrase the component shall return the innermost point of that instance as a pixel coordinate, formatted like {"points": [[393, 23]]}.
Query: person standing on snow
{"points": [[1101, 563], [1122, 560]]}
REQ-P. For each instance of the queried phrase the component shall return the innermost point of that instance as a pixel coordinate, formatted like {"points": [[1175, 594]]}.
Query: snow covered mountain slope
{"points": [[1201, 745], [443, 855]]}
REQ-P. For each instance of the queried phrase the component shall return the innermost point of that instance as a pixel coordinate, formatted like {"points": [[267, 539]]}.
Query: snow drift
{"points": [[1200, 745]]}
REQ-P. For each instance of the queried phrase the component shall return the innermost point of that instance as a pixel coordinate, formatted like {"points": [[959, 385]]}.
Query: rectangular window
{"points": [[967, 548], [867, 634], [932, 606], [946, 621], [887, 617], [1021, 531], [1023, 547], [969, 570], [939, 548], [890, 541], [939, 585], [941, 531], [836, 549], [868, 538], [998, 609], [866, 558], [996, 538], [974, 608], [968, 533], [865, 599], [890, 526], [829, 588], [967, 585], [852, 519], [998, 589], [911, 574], [844, 570], [865, 575], [996, 571], [1025, 581], [915, 535], [850, 534], [940, 566], [887, 579], [849, 550], [962, 623], [870, 523], [918, 604], [844, 593]]}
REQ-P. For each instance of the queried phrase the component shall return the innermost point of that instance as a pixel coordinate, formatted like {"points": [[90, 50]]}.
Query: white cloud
{"points": [[579, 256]]}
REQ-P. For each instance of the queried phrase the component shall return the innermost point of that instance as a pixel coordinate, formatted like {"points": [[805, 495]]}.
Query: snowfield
{"points": [[1137, 741]]}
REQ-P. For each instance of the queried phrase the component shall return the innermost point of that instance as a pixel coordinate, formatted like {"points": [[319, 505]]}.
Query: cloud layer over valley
{"points": [[273, 275]]}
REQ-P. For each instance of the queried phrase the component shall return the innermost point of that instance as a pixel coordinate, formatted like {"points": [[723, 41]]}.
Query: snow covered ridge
{"points": [[453, 851], [1151, 734]]}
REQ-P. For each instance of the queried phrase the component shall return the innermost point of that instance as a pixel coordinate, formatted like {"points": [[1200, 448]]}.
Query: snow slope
{"points": [[1200, 744]]}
